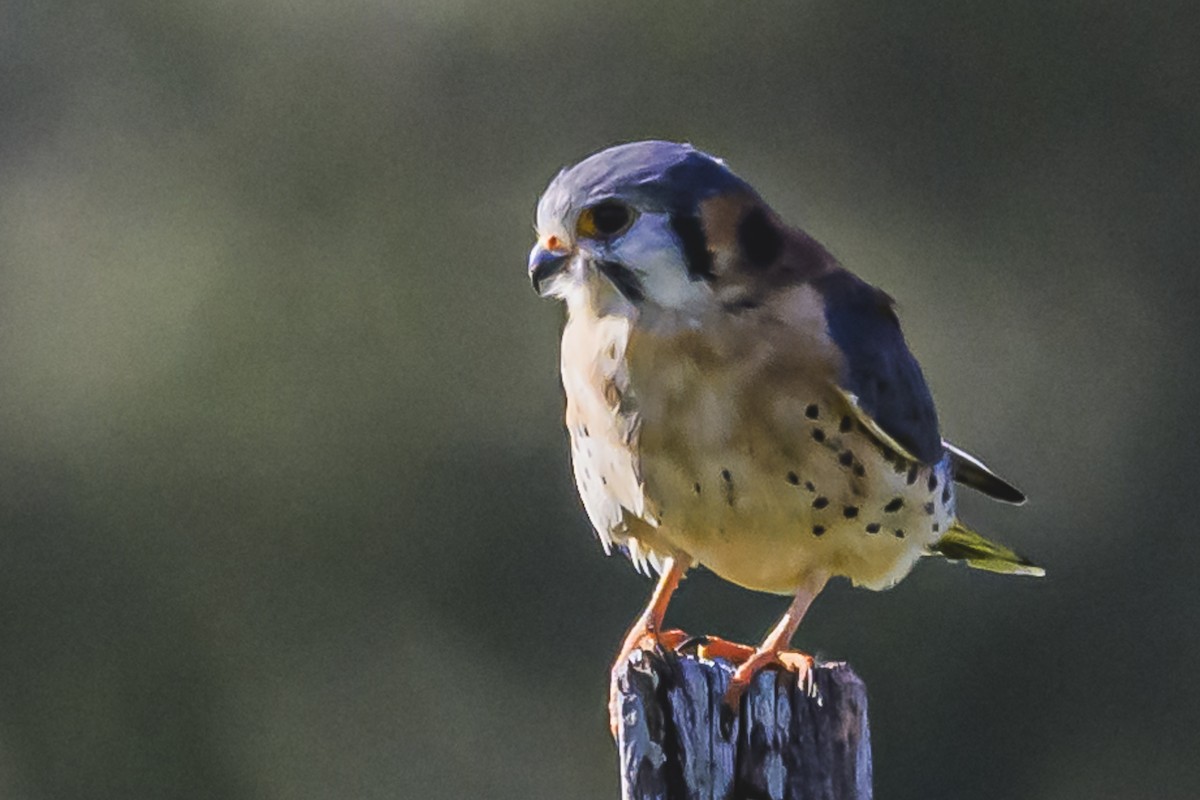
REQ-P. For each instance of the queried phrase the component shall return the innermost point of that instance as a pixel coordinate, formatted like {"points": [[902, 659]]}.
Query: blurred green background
{"points": [[284, 502]]}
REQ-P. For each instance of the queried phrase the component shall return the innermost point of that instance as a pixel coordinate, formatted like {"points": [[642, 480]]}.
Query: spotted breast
{"points": [[736, 446]]}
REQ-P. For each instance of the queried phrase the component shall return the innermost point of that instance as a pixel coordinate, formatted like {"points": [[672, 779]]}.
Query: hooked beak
{"points": [[546, 259]]}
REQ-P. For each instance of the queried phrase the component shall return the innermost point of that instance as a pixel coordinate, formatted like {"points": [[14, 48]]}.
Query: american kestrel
{"points": [[738, 399]]}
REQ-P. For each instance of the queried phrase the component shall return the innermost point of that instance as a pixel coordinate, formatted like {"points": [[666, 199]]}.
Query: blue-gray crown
{"points": [[652, 175]]}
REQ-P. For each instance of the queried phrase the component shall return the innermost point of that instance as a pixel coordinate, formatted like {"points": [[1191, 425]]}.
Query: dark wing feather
{"points": [[970, 471], [879, 369]]}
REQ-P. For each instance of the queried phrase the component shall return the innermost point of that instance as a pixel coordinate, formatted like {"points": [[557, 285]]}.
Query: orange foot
{"points": [[640, 638], [751, 664], [712, 647]]}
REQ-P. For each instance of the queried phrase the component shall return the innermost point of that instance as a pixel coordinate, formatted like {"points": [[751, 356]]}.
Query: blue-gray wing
{"points": [[878, 367]]}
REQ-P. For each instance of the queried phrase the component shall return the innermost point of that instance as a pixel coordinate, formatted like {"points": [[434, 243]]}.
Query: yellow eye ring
{"points": [[604, 220]]}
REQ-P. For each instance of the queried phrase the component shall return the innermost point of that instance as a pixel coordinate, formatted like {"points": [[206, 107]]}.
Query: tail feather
{"points": [[970, 471], [963, 544]]}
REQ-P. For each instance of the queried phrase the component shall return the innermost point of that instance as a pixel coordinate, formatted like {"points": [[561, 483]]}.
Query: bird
{"points": [[737, 399]]}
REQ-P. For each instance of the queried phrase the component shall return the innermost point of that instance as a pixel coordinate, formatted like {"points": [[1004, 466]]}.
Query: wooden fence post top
{"points": [[789, 742]]}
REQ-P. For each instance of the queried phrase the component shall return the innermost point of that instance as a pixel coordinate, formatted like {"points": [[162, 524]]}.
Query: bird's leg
{"points": [[647, 632], [773, 650]]}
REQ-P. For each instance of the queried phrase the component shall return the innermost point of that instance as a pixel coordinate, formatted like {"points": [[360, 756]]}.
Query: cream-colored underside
{"points": [[696, 438]]}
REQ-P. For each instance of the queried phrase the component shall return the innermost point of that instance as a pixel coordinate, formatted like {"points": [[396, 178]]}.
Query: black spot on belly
{"points": [[928, 508], [860, 470], [899, 533], [936, 527], [820, 502], [850, 512], [810, 486], [793, 479], [895, 505], [873, 527], [946, 493], [932, 481], [728, 488], [812, 411], [845, 425], [846, 458], [818, 435], [696, 488], [912, 474], [603, 480], [818, 530]]}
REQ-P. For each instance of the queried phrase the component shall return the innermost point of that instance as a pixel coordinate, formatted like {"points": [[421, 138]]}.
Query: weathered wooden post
{"points": [[790, 742]]}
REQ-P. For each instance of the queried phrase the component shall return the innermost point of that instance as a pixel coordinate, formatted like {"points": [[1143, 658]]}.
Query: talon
{"points": [[795, 661], [790, 660], [772, 652]]}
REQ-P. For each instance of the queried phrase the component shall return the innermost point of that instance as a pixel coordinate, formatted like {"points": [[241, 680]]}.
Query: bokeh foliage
{"points": [[284, 504]]}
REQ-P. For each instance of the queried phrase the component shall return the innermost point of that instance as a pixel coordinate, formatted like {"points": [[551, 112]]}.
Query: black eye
{"points": [[607, 218], [610, 217]]}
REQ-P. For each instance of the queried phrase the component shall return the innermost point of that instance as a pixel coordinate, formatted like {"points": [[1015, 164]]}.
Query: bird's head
{"points": [[657, 224]]}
